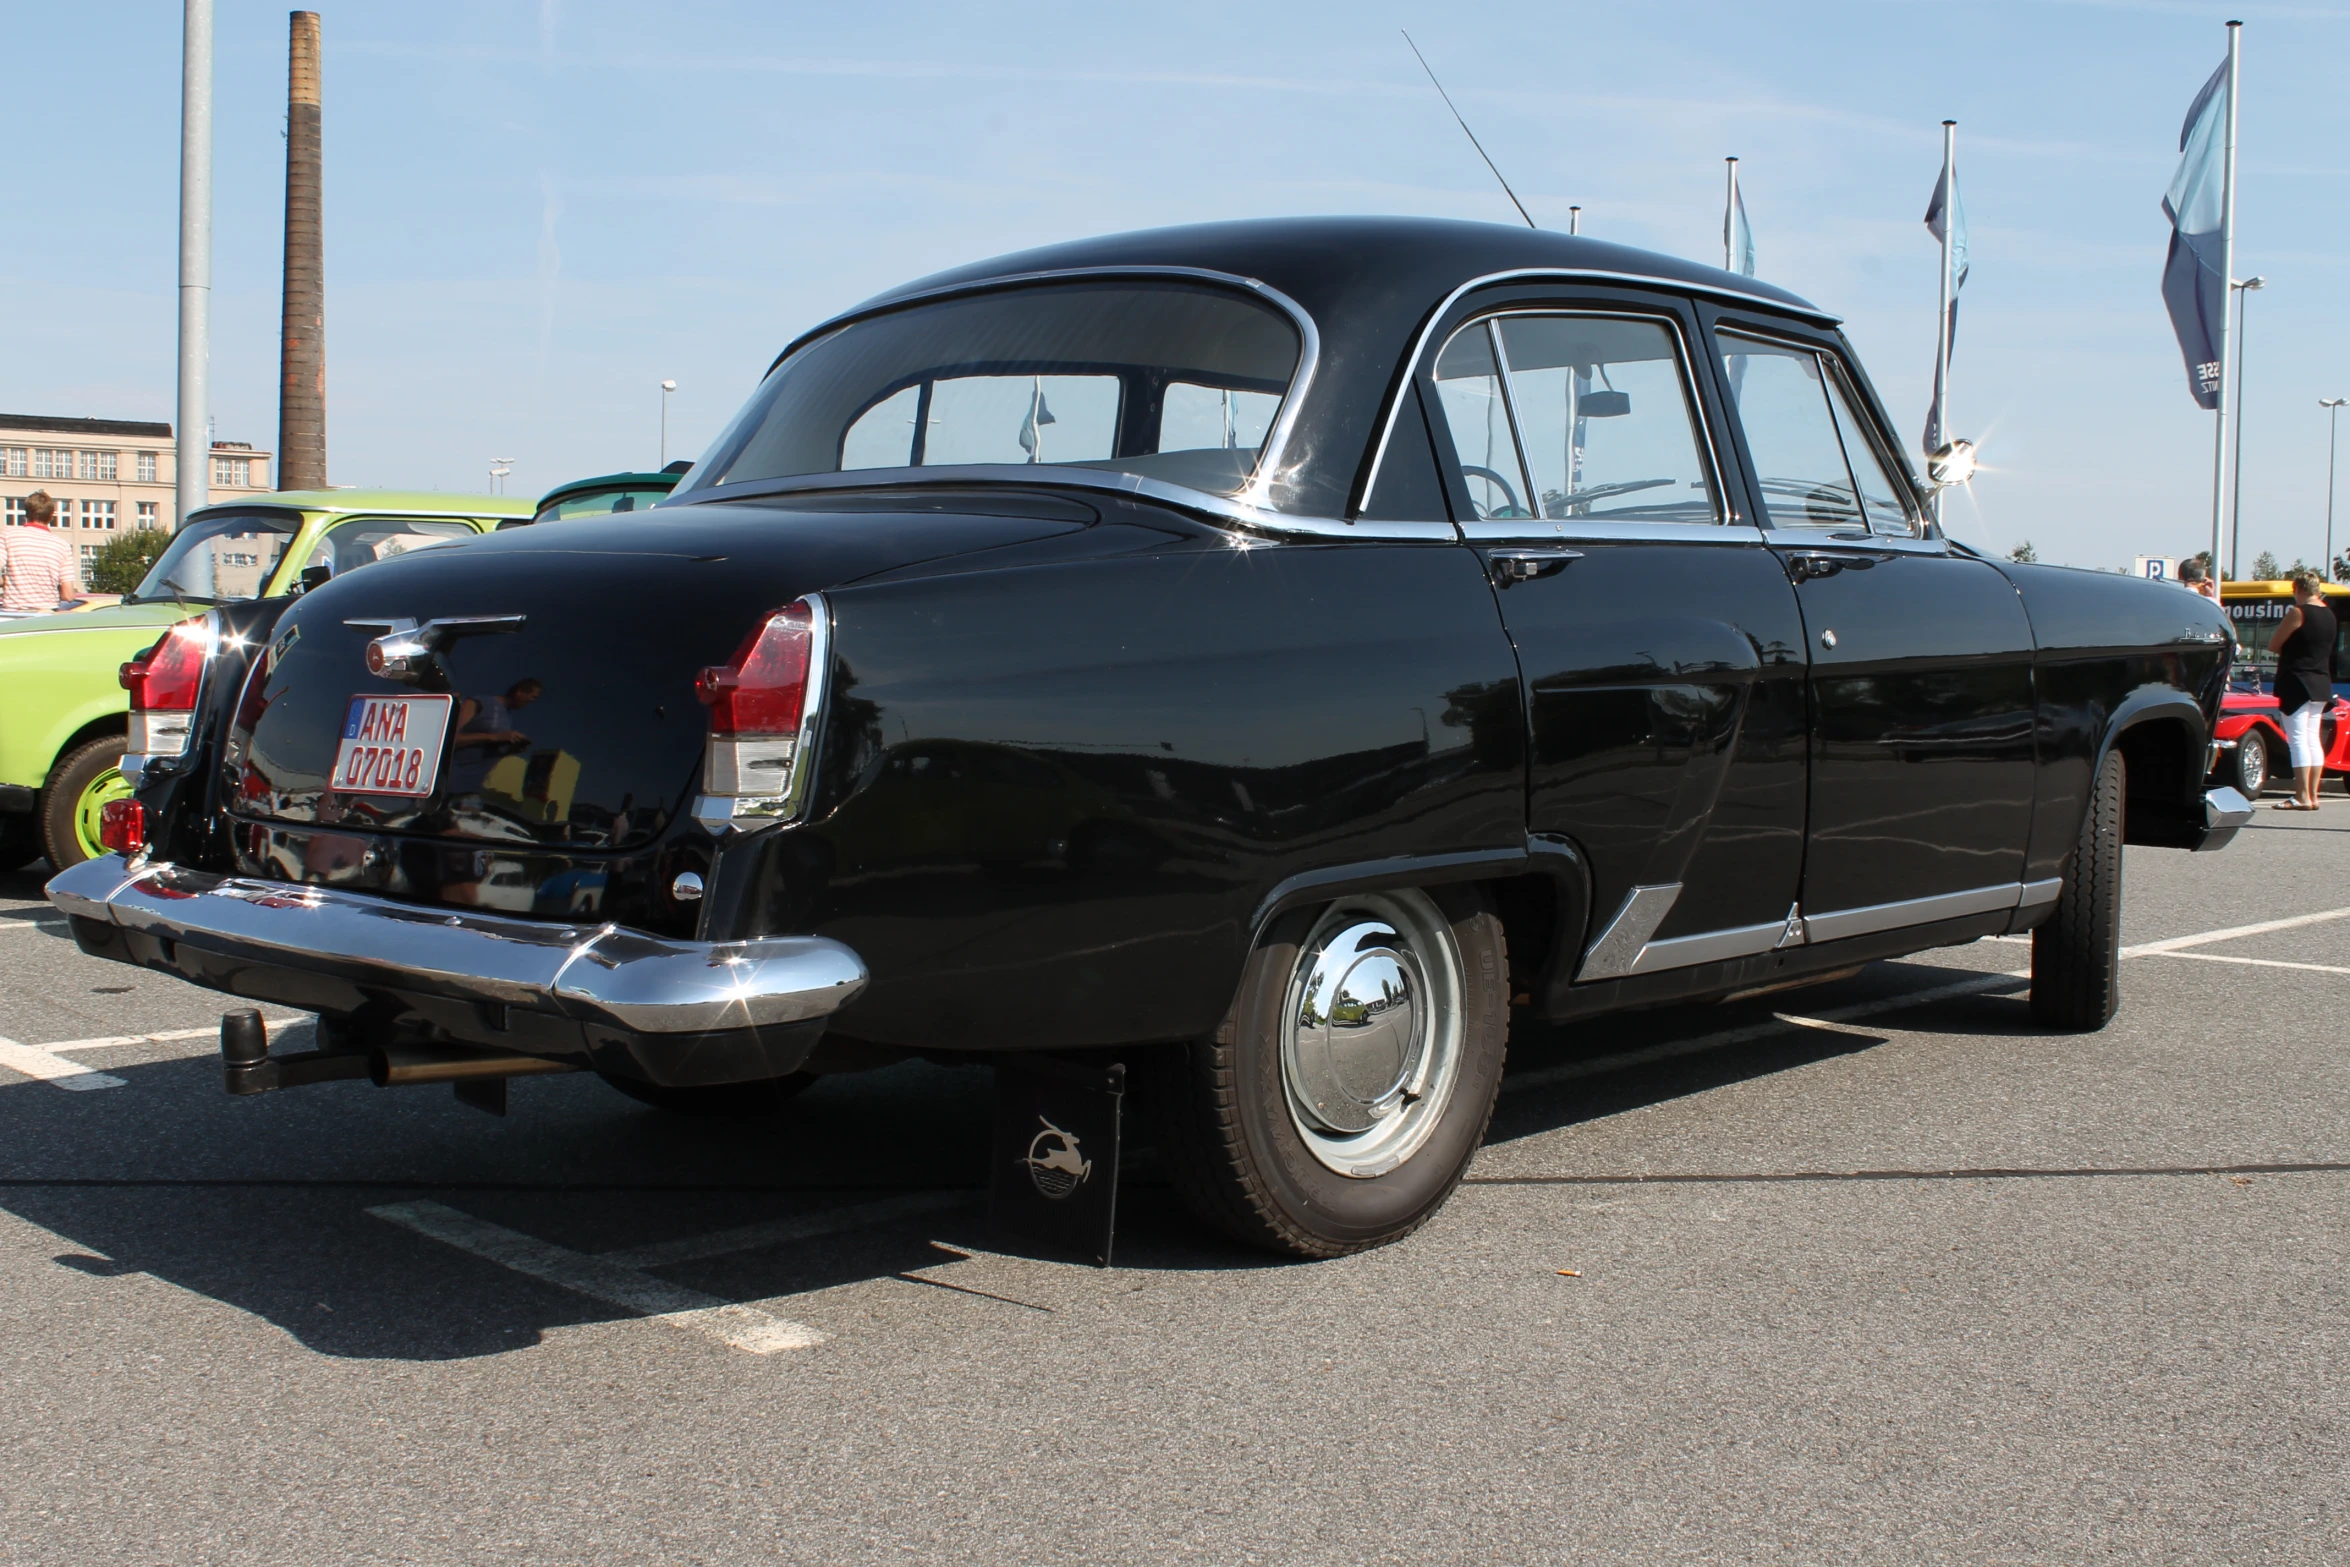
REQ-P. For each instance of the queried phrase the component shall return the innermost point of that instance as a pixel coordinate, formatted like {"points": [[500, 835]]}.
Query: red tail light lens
{"points": [[122, 826], [765, 689], [166, 678]]}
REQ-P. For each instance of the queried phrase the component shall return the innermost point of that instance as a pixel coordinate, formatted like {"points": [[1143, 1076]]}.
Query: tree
{"points": [[2023, 554], [2265, 567], [123, 564]]}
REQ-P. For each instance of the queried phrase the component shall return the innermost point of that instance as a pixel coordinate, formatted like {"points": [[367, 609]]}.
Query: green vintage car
{"points": [[62, 709]]}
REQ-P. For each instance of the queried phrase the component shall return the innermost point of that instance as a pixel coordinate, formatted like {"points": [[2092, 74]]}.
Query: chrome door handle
{"points": [[1804, 567], [1510, 566]]}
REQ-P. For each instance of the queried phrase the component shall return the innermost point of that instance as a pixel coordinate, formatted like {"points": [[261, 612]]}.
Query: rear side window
{"points": [[1561, 416], [1815, 463]]}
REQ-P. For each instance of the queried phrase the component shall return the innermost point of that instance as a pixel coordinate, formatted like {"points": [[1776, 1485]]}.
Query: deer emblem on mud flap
{"points": [[1053, 1162]]}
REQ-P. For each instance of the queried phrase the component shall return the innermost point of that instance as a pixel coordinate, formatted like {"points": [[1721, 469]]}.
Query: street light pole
{"points": [[666, 388], [2236, 479], [2333, 408], [192, 458], [499, 468]]}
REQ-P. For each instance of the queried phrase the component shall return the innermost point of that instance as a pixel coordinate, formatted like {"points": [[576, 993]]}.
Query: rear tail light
{"points": [[122, 826], [763, 708], [164, 683]]}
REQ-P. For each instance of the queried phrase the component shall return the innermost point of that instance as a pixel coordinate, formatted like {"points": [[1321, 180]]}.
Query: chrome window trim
{"points": [[1428, 327], [1509, 412], [1218, 509], [1878, 543], [1309, 356], [1709, 446], [1832, 363], [1591, 530]]}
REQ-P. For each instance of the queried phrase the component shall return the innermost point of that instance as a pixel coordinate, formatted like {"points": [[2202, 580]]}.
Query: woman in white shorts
{"points": [[2304, 646]]}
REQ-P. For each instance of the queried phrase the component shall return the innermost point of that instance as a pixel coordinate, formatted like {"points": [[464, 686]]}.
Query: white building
{"points": [[109, 476]]}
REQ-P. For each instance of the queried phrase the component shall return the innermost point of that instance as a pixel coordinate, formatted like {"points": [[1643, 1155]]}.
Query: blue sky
{"points": [[536, 212]]}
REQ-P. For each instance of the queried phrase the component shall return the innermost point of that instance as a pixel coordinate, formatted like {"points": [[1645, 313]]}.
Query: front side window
{"points": [[1564, 417], [1172, 381], [1815, 465], [364, 540], [218, 557]]}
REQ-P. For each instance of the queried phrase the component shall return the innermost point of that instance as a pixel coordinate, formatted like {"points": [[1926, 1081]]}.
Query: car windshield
{"points": [[1170, 381], [217, 557]]}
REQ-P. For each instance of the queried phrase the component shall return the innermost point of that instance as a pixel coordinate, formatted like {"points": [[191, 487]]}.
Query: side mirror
{"points": [[314, 577], [1951, 465]]}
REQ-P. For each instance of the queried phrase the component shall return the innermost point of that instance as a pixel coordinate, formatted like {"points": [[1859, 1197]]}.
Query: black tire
{"points": [[729, 1101], [20, 841], [2076, 952], [61, 797], [2250, 772], [1233, 1145]]}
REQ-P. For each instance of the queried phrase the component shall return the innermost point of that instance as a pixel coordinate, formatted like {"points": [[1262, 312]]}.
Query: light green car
{"points": [[62, 708]]}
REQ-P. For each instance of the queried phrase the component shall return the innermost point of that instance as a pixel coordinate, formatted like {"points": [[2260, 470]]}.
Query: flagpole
{"points": [[1730, 216], [1942, 317], [2227, 251]]}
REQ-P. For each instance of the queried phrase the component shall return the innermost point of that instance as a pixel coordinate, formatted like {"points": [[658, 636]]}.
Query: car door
{"points": [[1921, 687], [1658, 640]]}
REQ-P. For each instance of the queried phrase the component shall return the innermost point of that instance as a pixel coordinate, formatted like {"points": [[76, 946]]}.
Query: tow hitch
{"points": [[477, 1077]]}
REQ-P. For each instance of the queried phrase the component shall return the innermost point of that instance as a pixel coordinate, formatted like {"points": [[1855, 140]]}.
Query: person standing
{"points": [[2197, 579], [37, 571], [2304, 646]]}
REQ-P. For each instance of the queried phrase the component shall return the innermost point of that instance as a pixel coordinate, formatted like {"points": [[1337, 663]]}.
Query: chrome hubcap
{"points": [[1371, 1033]]}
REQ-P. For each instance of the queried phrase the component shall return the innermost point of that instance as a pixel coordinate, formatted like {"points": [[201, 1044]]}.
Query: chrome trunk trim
{"points": [[592, 973]]}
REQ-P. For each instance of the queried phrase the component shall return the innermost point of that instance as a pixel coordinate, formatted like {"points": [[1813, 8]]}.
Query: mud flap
{"points": [[1054, 1177]]}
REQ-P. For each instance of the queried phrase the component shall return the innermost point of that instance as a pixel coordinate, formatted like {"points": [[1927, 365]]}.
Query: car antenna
{"points": [[1464, 125]]}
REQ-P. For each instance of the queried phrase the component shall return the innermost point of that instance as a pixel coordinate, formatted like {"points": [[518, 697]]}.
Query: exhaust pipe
{"points": [[479, 1077]]}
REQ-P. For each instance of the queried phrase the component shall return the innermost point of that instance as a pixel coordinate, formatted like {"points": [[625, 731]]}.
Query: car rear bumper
{"points": [[2225, 811], [335, 951]]}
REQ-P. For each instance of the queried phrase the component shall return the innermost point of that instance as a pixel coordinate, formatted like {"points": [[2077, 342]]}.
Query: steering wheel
{"points": [[1495, 479]]}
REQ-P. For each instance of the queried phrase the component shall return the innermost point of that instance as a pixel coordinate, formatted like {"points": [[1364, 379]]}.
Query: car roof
{"points": [[1368, 287], [413, 503], [608, 481]]}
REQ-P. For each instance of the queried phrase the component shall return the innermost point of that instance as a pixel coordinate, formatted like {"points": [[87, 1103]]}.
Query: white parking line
{"points": [[2148, 949], [47, 1067], [599, 1278], [47, 1063], [2224, 957]]}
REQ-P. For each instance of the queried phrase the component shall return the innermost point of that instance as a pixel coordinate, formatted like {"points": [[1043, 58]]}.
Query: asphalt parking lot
{"points": [[1871, 1272]]}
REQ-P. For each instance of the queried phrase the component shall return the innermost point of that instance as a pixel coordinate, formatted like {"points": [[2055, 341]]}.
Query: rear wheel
{"points": [[737, 1101], [2076, 953], [79, 786], [1350, 1086], [2251, 763]]}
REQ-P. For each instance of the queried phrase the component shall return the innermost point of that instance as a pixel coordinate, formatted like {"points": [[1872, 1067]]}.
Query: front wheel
{"points": [[1352, 1082], [2076, 952], [79, 787]]}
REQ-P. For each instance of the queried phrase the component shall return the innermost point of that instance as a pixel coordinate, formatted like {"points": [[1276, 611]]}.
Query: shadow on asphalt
{"points": [[261, 1204]]}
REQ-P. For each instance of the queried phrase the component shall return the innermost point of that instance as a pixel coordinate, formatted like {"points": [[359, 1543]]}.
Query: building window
{"points": [[51, 464], [16, 511], [146, 514], [89, 559], [146, 467], [95, 465], [98, 514], [232, 472], [12, 461]]}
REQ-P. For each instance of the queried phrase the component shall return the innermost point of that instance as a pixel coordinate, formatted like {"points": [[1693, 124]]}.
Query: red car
{"points": [[2251, 741]]}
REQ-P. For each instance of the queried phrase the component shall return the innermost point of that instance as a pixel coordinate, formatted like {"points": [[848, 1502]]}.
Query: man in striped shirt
{"points": [[37, 570]]}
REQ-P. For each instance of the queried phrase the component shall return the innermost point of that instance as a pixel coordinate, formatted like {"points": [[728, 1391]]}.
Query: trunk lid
{"points": [[579, 725]]}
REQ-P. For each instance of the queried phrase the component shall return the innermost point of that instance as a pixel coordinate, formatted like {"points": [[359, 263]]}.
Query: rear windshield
{"points": [[1164, 380], [595, 503]]}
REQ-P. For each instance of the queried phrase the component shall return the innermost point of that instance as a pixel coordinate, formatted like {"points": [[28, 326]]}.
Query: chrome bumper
{"points": [[590, 973], [2224, 810]]}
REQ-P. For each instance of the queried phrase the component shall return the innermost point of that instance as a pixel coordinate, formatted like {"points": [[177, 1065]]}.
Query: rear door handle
{"points": [[1510, 566], [1805, 567]]}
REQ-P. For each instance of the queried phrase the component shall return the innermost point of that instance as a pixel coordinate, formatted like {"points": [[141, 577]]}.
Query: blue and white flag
{"points": [[2194, 280], [1946, 207], [1738, 235]]}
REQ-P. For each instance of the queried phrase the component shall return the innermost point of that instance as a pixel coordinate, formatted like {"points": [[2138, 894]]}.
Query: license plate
{"points": [[392, 745]]}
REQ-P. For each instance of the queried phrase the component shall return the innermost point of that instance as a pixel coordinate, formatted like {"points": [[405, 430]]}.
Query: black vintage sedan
{"points": [[1275, 653]]}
